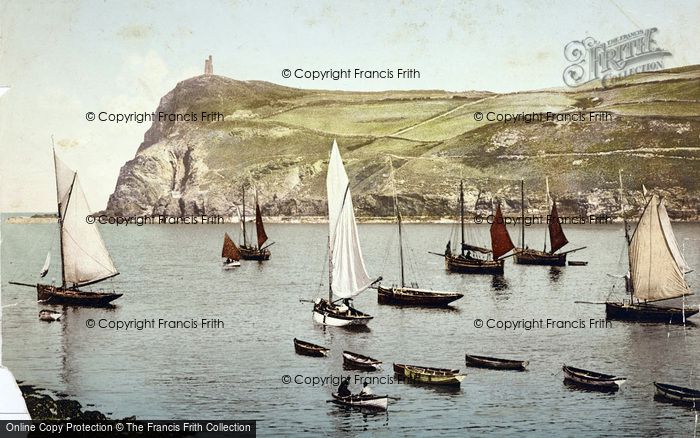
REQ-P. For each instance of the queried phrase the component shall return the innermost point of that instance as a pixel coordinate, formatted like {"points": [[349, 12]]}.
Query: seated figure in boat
{"points": [[366, 390], [343, 390]]}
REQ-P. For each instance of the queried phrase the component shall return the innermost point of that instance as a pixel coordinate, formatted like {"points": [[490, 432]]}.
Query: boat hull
{"points": [[248, 253], [72, 297], [232, 265], [414, 297], [432, 377], [647, 313], [473, 266], [359, 362], [592, 379], [376, 402], [677, 394], [534, 257], [327, 314], [308, 349], [495, 363]]}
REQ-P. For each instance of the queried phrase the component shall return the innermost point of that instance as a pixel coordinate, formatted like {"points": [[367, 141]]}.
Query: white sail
{"points": [[85, 257], [671, 239], [349, 276], [654, 271], [47, 263]]}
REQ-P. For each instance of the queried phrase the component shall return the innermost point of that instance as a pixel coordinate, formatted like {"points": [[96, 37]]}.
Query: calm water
{"points": [[172, 272]]}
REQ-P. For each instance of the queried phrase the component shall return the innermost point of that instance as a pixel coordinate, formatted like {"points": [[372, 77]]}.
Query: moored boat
{"points": [[369, 402], [432, 376], [400, 368], [361, 362], [48, 315], [495, 363], [408, 296], [308, 349], [592, 379], [578, 263], [249, 251], [677, 394], [231, 253]]}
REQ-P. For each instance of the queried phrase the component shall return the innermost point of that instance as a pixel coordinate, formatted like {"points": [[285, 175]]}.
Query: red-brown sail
{"points": [[500, 239], [556, 234], [230, 250], [262, 236]]}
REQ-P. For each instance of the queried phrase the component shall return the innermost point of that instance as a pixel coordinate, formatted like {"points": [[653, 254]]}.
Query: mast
{"points": [[461, 211], [330, 270], [60, 218], [398, 216], [628, 280], [245, 244], [546, 180], [522, 214]]}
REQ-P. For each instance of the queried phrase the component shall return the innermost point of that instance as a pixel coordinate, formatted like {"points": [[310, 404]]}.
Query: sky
{"points": [[63, 59]]}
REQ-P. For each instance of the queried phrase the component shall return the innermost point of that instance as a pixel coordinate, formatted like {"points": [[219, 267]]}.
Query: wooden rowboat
{"points": [[308, 349], [368, 402], [577, 263], [495, 363], [408, 296], [432, 376], [400, 369], [592, 379], [49, 315], [677, 394], [358, 361]]}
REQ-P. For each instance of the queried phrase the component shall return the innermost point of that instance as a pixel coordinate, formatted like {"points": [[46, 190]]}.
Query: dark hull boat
{"points": [[248, 251], [677, 394], [592, 379], [533, 257], [368, 402], [406, 296], [432, 376], [359, 362], [495, 363], [308, 349], [644, 312], [84, 256], [473, 259]]}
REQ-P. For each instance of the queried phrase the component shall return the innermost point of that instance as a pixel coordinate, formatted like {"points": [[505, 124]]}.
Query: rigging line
{"points": [[87, 254]]}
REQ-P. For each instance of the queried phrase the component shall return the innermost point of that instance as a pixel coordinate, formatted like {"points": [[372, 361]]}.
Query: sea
{"points": [[220, 343]]}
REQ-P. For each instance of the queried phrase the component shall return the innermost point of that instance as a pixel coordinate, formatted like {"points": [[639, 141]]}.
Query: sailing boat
{"points": [[84, 257], [347, 275], [411, 296], [656, 269], [557, 239], [231, 253], [250, 252], [474, 259]]}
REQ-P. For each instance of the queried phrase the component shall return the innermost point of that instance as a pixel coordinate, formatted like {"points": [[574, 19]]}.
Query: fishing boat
{"points": [[557, 239], [432, 376], [360, 362], [411, 296], [578, 263], [308, 349], [656, 270], [677, 394], [495, 363], [592, 379], [369, 402], [84, 257], [473, 259], [346, 268], [48, 315], [249, 251], [230, 253], [400, 369]]}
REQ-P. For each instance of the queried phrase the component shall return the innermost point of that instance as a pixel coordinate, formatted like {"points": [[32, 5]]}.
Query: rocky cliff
{"points": [[420, 143]]}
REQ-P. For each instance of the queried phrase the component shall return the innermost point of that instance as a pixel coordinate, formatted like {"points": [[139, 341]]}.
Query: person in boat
{"points": [[343, 390], [448, 249], [366, 390]]}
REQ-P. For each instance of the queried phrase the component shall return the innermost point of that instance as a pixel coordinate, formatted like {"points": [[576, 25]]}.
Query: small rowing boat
{"points": [[308, 349], [592, 379], [369, 402], [400, 369], [577, 263], [677, 394], [358, 361], [495, 363], [48, 315], [432, 376]]}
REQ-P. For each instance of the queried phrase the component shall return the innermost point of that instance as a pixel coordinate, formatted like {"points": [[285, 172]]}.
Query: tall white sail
{"points": [[654, 269], [671, 239], [47, 263], [349, 276], [85, 257]]}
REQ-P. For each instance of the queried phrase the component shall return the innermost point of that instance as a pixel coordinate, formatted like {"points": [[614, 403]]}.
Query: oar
{"points": [[590, 302]]}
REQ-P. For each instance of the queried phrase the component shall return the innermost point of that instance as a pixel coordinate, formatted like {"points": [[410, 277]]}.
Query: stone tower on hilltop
{"points": [[208, 66]]}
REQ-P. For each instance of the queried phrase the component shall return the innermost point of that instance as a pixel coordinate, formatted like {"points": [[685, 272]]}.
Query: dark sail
{"points": [[259, 228], [500, 239], [230, 250], [556, 234]]}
